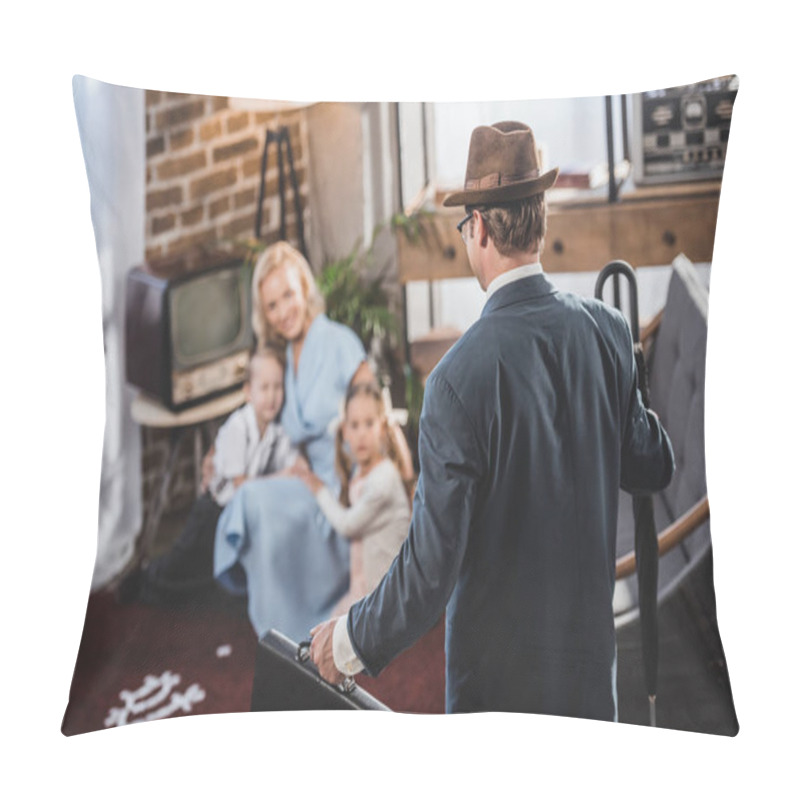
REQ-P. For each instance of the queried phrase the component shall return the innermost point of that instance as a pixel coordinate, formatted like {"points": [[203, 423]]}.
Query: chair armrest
{"points": [[671, 536], [649, 329]]}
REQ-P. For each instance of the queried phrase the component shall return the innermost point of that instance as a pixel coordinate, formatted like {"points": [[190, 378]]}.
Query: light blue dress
{"points": [[272, 540]]}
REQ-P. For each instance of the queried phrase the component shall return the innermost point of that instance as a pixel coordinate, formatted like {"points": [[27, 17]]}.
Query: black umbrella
{"points": [[646, 537]]}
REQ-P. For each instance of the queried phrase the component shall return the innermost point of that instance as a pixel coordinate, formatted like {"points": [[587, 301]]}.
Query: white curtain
{"points": [[111, 125]]}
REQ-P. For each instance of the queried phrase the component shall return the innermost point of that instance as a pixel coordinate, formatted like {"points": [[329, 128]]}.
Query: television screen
{"points": [[209, 317]]}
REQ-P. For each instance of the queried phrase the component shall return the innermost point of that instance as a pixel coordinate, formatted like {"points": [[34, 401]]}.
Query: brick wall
{"points": [[203, 163], [203, 172]]}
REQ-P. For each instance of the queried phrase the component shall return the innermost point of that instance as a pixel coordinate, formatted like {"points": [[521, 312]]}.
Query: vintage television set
{"points": [[681, 133], [188, 337]]}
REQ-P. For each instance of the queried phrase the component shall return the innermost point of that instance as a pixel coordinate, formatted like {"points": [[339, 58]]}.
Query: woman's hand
{"points": [[294, 470], [301, 462], [300, 469]]}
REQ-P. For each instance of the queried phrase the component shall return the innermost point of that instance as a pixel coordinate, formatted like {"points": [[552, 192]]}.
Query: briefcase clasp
{"points": [[347, 686], [304, 651]]}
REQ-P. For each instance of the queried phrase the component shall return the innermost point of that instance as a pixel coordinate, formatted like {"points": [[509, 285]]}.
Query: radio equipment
{"points": [[681, 134]]}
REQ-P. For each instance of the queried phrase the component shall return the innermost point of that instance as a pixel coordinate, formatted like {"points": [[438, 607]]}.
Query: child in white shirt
{"points": [[373, 510], [248, 445]]}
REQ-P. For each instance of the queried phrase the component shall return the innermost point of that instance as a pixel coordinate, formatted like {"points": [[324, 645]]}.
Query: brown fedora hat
{"points": [[503, 165]]}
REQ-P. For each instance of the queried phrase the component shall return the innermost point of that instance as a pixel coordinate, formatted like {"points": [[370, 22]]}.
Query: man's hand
{"points": [[322, 651]]}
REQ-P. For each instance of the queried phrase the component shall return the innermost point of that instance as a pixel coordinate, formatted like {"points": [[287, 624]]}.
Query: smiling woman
{"points": [[272, 541], [286, 296], [284, 304]]}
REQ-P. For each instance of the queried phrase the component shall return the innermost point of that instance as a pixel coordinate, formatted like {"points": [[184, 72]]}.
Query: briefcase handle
{"points": [[347, 686]]}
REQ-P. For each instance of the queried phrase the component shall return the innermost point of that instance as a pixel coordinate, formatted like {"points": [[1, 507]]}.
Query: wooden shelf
{"points": [[648, 226]]}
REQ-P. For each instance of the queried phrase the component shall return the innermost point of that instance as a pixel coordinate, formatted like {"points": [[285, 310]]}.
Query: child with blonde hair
{"points": [[373, 510]]}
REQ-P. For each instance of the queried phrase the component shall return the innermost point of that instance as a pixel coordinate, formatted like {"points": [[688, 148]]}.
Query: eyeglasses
{"points": [[460, 226]]}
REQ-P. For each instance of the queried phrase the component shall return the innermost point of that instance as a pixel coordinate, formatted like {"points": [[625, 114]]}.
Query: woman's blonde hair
{"points": [[282, 254], [344, 464]]}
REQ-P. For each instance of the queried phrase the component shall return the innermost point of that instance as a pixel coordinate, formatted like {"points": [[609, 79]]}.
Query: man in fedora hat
{"points": [[530, 425]]}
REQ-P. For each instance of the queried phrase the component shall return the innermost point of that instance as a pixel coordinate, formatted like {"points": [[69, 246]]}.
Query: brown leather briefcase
{"points": [[287, 680]]}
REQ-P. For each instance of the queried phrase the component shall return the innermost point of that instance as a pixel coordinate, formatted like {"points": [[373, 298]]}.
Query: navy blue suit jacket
{"points": [[530, 425]]}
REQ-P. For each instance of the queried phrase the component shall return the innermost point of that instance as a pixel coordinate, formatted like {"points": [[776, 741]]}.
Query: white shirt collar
{"points": [[504, 278]]}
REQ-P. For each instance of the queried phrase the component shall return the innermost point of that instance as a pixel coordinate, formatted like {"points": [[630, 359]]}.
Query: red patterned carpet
{"points": [[208, 645], [139, 663]]}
